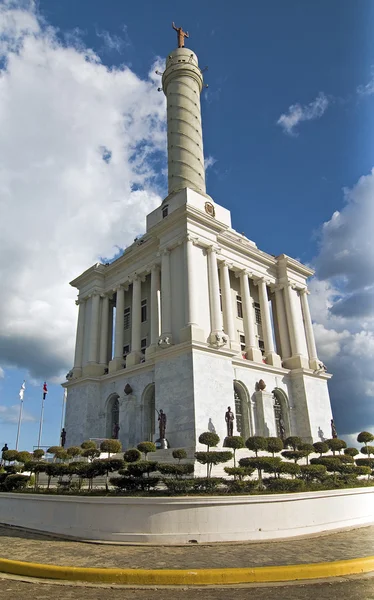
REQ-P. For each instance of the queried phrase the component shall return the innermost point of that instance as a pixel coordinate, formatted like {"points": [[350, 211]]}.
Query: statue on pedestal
{"points": [[63, 437], [229, 418], [333, 429], [181, 35], [116, 429], [162, 423]]}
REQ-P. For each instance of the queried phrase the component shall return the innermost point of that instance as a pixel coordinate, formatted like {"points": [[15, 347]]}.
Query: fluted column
{"points": [[251, 345], [217, 336], [272, 357], [228, 313], [155, 308], [297, 360], [165, 337], [309, 333], [134, 357], [191, 298], [79, 344], [118, 362], [104, 330], [282, 324], [94, 329]]}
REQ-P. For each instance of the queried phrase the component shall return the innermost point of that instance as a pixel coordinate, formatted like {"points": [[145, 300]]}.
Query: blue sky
{"points": [[308, 61]]}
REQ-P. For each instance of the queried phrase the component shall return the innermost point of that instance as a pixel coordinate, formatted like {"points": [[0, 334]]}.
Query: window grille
{"points": [[258, 313], [126, 318], [143, 345], [242, 342], [144, 310], [165, 211], [239, 306], [238, 411], [261, 345]]}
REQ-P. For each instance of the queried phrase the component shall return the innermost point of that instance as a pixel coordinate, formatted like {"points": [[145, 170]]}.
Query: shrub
{"points": [[38, 453], [142, 467], [259, 463], [207, 484], [132, 455], [91, 453], [238, 486], [179, 486], [320, 447], [256, 443], [336, 445], [345, 459], [74, 451], [235, 442], [10, 455], [179, 454], [365, 437], [239, 472], [54, 449], [208, 438], [111, 446], [111, 465], [88, 445], [288, 468], [285, 485], [293, 442], [294, 455], [312, 472], [307, 449], [146, 448], [365, 462], [212, 458], [133, 484], [177, 470], [15, 482], [61, 454], [274, 445], [332, 463], [272, 464], [24, 456], [369, 450], [52, 470], [362, 470], [351, 452]]}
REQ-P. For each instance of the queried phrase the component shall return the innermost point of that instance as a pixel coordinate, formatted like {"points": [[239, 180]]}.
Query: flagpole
{"points": [[63, 408], [41, 423], [19, 422]]}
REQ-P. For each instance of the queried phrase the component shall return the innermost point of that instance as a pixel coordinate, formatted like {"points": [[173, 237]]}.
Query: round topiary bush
{"points": [[285, 485], [320, 447], [74, 451], [10, 455], [365, 437], [146, 448], [369, 450], [38, 453], [256, 443], [336, 445], [88, 445], [293, 441], [24, 456], [208, 438], [111, 446], [132, 455], [289, 468], [312, 472], [179, 454], [274, 445], [351, 451], [235, 442]]}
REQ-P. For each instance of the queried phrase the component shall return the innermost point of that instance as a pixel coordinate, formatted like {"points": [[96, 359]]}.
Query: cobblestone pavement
{"points": [[349, 589], [21, 545]]}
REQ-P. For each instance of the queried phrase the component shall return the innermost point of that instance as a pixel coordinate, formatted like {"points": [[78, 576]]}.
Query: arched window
{"points": [[242, 419], [149, 410], [112, 416], [281, 413]]}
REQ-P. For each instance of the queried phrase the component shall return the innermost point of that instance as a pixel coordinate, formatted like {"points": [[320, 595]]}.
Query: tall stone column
{"points": [[217, 336], [118, 362], [155, 310], [134, 357], [191, 331], [228, 312], [309, 333], [182, 83], [79, 344], [94, 329], [165, 339], [104, 331], [272, 357], [282, 324], [297, 360], [252, 350]]}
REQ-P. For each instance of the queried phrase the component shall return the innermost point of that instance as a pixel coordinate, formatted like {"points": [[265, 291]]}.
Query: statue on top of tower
{"points": [[181, 35]]}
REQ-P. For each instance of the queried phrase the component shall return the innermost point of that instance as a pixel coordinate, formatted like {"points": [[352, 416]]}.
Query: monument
{"points": [[194, 316]]}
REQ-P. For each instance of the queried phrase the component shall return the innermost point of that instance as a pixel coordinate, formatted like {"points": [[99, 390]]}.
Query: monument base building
{"points": [[193, 316]]}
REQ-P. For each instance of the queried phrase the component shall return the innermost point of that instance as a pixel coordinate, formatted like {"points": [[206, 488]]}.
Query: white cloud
{"points": [[209, 162], [79, 151], [298, 113], [368, 88], [2, 374], [10, 414], [342, 306]]}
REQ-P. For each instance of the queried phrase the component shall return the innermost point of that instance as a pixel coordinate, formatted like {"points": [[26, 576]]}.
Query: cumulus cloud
{"points": [[298, 113], [10, 414], [342, 305], [80, 149], [209, 161]]}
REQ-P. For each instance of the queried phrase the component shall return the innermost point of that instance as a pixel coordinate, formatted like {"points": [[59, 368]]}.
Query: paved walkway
{"points": [[20, 545]]}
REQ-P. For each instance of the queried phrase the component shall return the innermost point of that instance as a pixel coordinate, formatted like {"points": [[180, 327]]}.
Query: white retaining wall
{"points": [[182, 519]]}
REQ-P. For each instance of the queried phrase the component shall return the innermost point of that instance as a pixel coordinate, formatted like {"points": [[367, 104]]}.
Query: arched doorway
{"points": [[281, 413], [149, 410], [242, 416], [112, 416]]}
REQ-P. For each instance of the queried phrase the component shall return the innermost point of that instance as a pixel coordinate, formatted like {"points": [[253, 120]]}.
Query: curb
{"points": [[190, 577]]}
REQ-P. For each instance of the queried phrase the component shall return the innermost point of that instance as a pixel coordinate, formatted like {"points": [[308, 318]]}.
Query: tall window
{"points": [[238, 411], [165, 211], [144, 310], [220, 299], [126, 318], [242, 342], [143, 345], [257, 313], [279, 421], [239, 306], [261, 345]]}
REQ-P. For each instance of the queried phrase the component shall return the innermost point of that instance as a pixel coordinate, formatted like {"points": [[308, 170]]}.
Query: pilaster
{"points": [[252, 350], [272, 357], [217, 337]]}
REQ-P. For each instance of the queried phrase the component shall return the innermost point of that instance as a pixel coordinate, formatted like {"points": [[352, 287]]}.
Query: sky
{"points": [[288, 141]]}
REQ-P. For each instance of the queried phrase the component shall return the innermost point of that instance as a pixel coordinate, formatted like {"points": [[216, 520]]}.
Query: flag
{"points": [[45, 391], [22, 390]]}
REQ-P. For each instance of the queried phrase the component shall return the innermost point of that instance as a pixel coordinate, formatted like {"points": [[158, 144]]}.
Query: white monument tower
{"points": [[193, 317]]}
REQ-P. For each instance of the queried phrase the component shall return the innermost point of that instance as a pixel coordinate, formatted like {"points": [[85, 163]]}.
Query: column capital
{"points": [[192, 238], [257, 280], [155, 267], [303, 291], [226, 263], [243, 272], [213, 249], [80, 301]]}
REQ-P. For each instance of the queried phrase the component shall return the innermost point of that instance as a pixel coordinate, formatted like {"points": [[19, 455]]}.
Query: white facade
{"points": [[192, 316]]}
